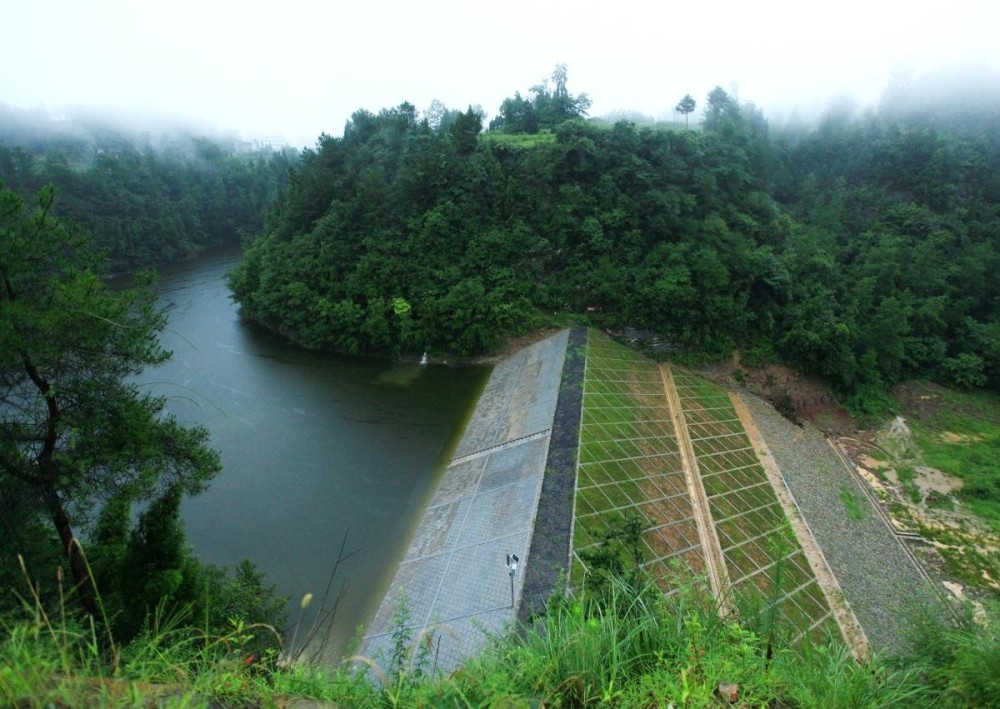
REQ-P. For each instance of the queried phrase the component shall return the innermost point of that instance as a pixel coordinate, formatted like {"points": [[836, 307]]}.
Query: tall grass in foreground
{"points": [[65, 664], [62, 658], [634, 647], [962, 661], [627, 646]]}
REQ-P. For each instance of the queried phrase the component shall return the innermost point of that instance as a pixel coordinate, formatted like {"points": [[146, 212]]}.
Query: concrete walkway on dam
{"points": [[454, 577]]}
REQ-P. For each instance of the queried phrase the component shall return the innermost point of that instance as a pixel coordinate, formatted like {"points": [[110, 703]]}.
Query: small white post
{"points": [[511, 569]]}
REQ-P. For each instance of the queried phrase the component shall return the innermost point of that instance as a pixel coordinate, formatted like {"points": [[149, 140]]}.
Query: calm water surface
{"points": [[314, 446]]}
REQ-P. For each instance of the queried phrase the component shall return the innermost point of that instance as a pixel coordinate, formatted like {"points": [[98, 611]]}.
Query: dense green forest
{"points": [[860, 249], [145, 198]]}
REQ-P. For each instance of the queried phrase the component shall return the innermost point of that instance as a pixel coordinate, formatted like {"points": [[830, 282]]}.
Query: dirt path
{"points": [[850, 628]]}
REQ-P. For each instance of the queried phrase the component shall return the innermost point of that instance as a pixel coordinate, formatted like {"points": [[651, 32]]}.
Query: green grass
{"points": [[628, 647], [851, 504], [633, 647], [626, 387], [974, 458], [66, 662], [522, 140], [957, 432], [727, 463], [980, 405], [625, 442]]}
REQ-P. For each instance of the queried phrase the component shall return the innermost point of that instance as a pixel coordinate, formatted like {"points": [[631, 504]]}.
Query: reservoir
{"points": [[314, 446]]}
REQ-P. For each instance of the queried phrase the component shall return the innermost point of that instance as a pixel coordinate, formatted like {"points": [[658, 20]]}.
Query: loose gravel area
{"points": [[879, 580]]}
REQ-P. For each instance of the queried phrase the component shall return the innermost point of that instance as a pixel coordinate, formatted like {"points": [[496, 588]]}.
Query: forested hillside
{"points": [[144, 198], [861, 249], [901, 214]]}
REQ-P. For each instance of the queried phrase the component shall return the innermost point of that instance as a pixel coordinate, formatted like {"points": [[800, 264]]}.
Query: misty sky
{"points": [[294, 69]]}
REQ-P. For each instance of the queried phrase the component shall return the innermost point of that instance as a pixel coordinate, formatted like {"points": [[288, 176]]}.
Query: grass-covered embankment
{"points": [[761, 552], [962, 438], [632, 472]]}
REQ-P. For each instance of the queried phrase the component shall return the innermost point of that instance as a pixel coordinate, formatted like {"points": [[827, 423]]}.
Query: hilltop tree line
{"points": [[861, 250], [545, 109]]}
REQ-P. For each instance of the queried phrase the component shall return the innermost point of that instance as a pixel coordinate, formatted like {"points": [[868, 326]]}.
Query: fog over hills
{"points": [[289, 72]]}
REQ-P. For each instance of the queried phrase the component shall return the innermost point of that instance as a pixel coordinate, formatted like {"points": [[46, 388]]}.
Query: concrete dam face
{"points": [[577, 433]]}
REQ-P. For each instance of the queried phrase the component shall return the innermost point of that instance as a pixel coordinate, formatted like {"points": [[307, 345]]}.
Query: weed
{"points": [[939, 501], [851, 504], [319, 634], [619, 553], [913, 492], [905, 473], [63, 661]]}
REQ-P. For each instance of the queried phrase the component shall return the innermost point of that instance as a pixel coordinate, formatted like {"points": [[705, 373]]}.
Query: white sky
{"points": [[297, 68]]}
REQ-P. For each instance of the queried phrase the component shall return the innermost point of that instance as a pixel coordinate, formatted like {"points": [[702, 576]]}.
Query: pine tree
{"points": [[74, 427]]}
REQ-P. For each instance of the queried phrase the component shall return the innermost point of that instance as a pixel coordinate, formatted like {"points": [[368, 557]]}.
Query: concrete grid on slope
{"points": [[645, 429], [630, 464], [762, 555], [454, 577]]}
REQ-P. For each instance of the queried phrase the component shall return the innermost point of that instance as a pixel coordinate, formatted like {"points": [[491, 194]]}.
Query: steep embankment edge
{"points": [[552, 535]]}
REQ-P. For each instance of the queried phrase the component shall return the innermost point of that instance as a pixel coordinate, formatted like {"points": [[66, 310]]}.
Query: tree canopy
{"points": [[686, 107], [143, 200], [858, 251], [547, 107]]}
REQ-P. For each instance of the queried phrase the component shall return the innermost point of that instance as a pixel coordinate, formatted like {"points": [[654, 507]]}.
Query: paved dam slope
{"points": [[454, 576]]}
